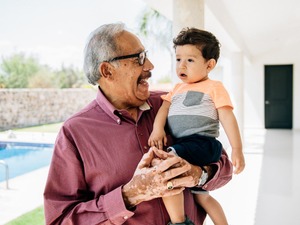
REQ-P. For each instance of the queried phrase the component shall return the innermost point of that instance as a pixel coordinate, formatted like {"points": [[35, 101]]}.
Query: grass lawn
{"points": [[34, 217], [47, 128]]}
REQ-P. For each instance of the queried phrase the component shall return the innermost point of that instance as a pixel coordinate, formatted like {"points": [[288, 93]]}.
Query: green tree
{"points": [[17, 69], [44, 78], [156, 28], [69, 77]]}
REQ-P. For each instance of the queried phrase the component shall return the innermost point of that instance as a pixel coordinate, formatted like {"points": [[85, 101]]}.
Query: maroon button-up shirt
{"points": [[96, 152]]}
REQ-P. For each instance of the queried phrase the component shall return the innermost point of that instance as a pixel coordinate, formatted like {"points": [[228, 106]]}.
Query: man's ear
{"points": [[211, 64], [105, 69]]}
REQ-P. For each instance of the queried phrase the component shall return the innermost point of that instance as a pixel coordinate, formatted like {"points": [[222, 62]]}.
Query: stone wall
{"points": [[31, 107]]}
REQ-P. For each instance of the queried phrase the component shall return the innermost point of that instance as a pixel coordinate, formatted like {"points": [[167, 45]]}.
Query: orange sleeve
{"points": [[220, 96], [168, 96]]}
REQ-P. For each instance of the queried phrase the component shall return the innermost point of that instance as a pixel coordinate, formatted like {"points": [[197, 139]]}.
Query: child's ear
{"points": [[211, 64]]}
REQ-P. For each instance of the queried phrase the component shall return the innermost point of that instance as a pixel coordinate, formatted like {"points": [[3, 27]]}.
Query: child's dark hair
{"points": [[205, 41]]}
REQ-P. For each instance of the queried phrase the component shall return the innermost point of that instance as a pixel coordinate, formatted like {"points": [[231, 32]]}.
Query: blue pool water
{"points": [[24, 158]]}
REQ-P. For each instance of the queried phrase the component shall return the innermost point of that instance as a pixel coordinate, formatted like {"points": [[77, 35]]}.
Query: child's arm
{"points": [[158, 136], [231, 128]]}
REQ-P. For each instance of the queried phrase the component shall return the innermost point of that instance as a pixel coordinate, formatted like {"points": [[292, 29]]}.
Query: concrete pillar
{"points": [[187, 13]]}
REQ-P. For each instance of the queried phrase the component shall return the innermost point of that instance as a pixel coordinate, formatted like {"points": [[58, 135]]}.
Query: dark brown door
{"points": [[279, 96]]}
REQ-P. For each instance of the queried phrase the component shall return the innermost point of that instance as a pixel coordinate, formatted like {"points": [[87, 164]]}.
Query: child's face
{"points": [[191, 67]]}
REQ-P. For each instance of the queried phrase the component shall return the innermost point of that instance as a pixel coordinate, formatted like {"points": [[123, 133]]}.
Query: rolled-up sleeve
{"points": [[223, 173]]}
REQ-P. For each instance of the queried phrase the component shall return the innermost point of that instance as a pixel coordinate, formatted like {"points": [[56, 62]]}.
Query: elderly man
{"points": [[102, 170]]}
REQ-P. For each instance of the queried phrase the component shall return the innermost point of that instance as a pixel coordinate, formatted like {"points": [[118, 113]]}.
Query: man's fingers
{"points": [[187, 181], [146, 159], [168, 163], [175, 171], [160, 153]]}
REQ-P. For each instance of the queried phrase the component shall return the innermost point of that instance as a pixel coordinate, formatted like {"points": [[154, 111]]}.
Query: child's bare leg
{"points": [[175, 207], [212, 207]]}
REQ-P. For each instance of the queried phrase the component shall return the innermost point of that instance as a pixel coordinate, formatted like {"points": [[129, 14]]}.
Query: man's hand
{"points": [[188, 179], [150, 181]]}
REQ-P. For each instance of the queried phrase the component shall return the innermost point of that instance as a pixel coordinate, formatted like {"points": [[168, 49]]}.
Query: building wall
{"points": [[254, 84], [31, 107]]}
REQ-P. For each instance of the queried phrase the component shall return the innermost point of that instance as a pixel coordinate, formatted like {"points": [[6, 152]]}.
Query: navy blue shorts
{"points": [[198, 150]]}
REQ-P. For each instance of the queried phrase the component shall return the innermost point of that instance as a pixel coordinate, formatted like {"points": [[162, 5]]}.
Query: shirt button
{"points": [[125, 217], [118, 121], [145, 147]]}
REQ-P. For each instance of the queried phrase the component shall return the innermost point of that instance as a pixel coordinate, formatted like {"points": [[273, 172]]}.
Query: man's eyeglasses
{"points": [[141, 57]]}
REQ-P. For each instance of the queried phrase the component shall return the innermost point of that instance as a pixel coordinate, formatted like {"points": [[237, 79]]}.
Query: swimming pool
{"points": [[22, 158]]}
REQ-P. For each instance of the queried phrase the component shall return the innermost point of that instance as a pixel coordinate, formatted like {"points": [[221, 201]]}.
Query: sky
{"points": [[55, 31]]}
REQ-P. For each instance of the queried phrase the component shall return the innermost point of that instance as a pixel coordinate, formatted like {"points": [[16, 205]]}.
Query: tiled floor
{"points": [[25, 193], [266, 193]]}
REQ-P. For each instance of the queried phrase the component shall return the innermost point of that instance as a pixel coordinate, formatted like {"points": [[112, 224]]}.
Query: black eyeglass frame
{"points": [[141, 57]]}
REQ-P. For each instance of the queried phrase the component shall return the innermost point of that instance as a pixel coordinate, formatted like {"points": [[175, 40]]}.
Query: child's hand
{"points": [[238, 161], [158, 139]]}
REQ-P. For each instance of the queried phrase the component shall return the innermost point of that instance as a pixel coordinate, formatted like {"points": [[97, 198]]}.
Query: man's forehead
{"points": [[130, 42]]}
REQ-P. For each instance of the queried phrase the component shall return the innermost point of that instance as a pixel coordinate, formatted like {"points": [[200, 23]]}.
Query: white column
{"points": [[237, 87], [187, 13]]}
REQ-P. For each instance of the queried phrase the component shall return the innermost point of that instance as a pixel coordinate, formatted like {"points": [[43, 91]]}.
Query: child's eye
{"points": [[178, 60], [190, 60]]}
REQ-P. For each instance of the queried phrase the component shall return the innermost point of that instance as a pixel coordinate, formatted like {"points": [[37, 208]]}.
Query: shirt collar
{"points": [[110, 110]]}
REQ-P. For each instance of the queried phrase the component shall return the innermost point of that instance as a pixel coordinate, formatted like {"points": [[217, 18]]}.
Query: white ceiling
{"points": [[255, 27]]}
